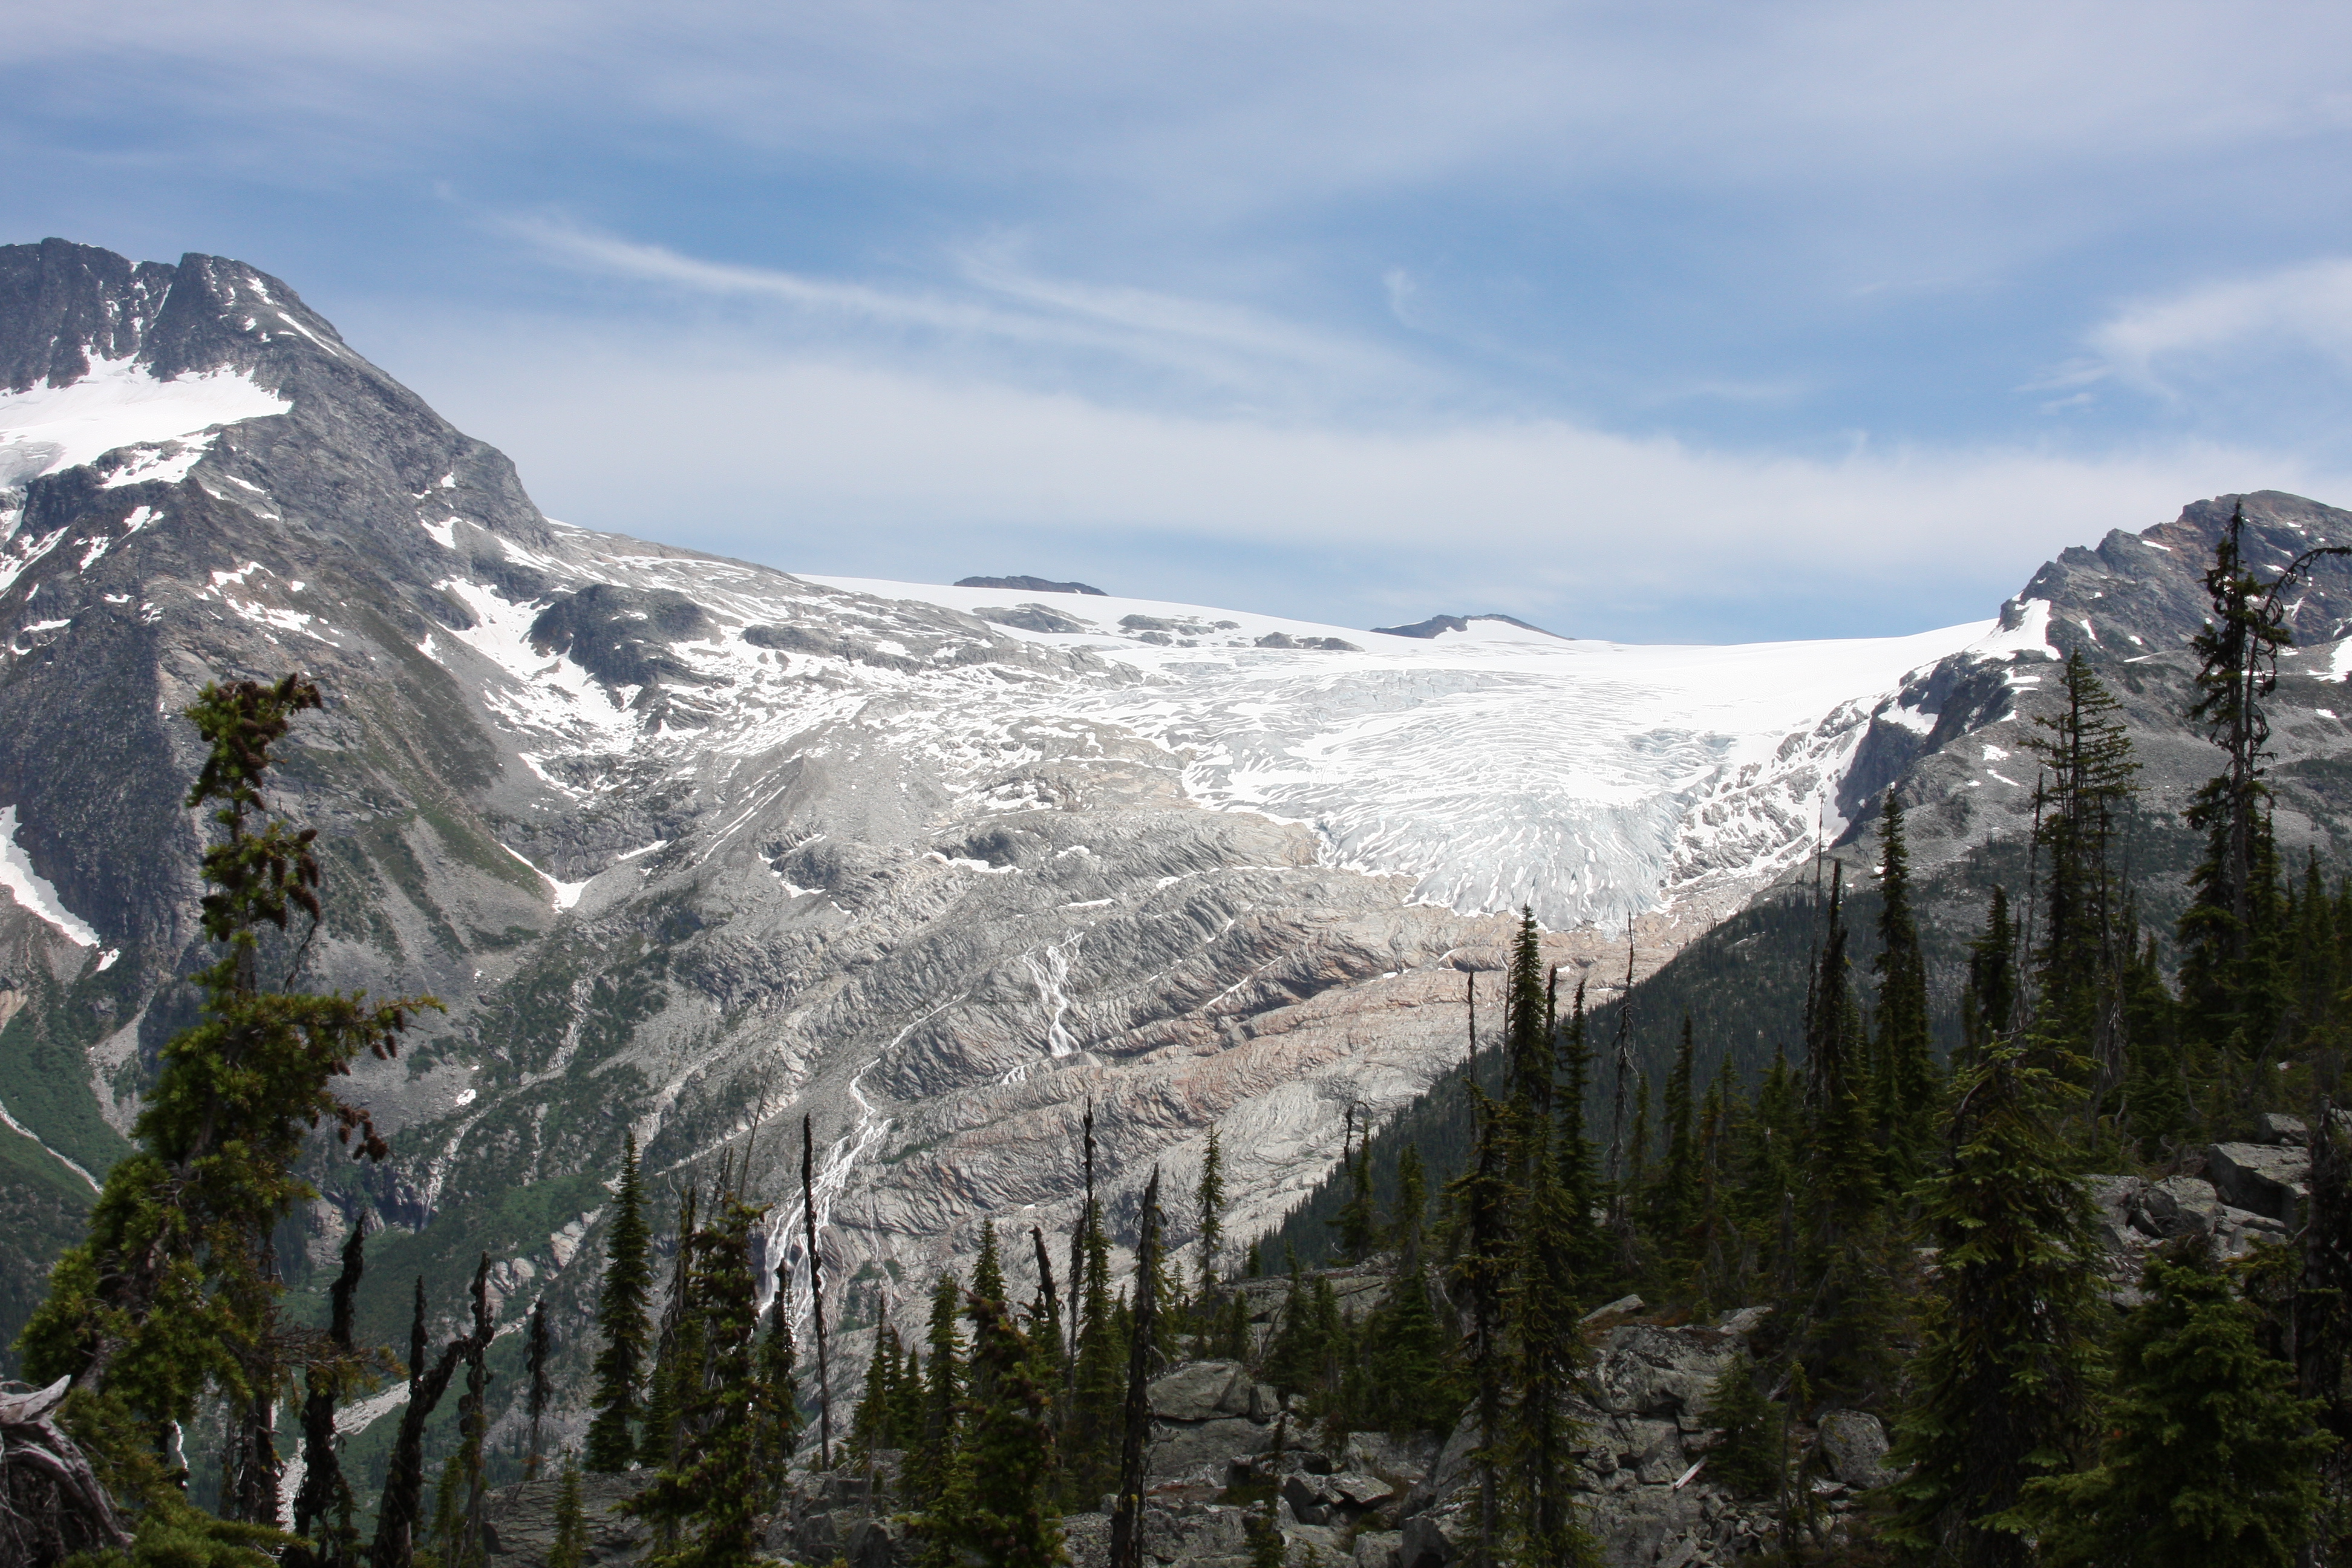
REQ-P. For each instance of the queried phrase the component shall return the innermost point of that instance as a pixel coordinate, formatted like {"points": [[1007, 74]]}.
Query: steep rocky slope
{"points": [[693, 849]]}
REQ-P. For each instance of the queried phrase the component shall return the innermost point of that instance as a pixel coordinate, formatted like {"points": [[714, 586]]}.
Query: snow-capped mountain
{"points": [[693, 848]]}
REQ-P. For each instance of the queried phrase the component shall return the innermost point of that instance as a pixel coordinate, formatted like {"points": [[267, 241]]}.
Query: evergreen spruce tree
{"points": [[2158, 1088], [776, 1415], [1674, 1203], [174, 1291], [995, 1512], [1358, 1222], [1846, 1297], [2210, 1460], [932, 1454], [2087, 755], [2003, 1376], [1905, 1093], [1527, 1043], [2232, 978], [678, 1347], [1210, 1197], [1989, 1005], [988, 1273], [1541, 1302], [706, 1504], [1092, 1432], [570, 1547], [873, 1425], [1747, 1459], [1479, 1203]]}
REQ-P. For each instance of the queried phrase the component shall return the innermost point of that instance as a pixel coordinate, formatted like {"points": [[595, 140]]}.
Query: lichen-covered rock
{"points": [[1203, 1450], [1201, 1391], [1854, 1443], [2268, 1179], [518, 1522]]}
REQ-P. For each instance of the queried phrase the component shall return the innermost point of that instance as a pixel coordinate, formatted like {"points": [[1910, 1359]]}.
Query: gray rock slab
{"points": [[1854, 1443], [1203, 1449], [2179, 1205], [1201, 1391], [520, 1520], [2267, 1178], [1378, 1548]]}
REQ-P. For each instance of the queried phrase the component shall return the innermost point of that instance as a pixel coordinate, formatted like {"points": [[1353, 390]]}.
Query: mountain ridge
{"points": [[692, 846]]}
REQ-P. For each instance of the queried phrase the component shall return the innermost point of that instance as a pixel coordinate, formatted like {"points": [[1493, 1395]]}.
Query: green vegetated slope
{"points": [[1742, 984]]}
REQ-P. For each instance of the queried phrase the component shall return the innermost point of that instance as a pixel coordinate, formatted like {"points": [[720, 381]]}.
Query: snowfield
{"points": [[1493, 767]]}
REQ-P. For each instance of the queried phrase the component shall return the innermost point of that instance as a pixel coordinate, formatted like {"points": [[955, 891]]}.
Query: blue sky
{"points": [[1662, 321]]}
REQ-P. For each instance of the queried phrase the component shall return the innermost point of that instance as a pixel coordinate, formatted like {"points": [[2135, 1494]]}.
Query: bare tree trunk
{"points": [[51, 1505], [404, 1486], [1126, 1524], [816, 1297]]}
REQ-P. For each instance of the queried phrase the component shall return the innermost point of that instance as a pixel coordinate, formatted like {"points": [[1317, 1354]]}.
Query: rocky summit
{"points": [[694, 849]]}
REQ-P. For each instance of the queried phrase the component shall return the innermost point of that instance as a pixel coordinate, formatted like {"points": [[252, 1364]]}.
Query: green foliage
{"points": [[570, 1547], [1905, 1092], [1747, 1458], [995, 1510], [173, 1291], [2003, 1378], [2209, 1460], [621, 1319], [707, 1503]]}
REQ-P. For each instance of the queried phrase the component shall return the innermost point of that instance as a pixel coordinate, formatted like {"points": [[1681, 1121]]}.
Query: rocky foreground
{"points": [[1225, 1445]]}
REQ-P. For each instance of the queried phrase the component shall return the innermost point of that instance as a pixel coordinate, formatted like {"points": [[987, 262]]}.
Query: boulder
{"points": [[1201, 1391], [1403, 1458], [2179, 1205], [877, 1543], [2266, 1178], [1643, 1370], [1086, 1538], [1436, 1537], [2277, 1127], [1854, 1443], [1378, 1548], [518, 1522], [1203, 1449]]}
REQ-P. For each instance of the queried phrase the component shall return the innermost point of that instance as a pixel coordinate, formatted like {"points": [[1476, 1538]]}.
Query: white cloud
{"points": [[837, 465], [2305, 309], [1000, 301]]}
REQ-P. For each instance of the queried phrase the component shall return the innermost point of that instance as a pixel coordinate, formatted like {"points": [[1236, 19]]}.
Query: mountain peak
{"points": [[1484, 626], [1029, 585]]}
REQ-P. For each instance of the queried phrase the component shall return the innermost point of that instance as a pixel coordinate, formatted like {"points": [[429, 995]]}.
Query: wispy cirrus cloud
{"points": [[986, 296], [2304, 308]]}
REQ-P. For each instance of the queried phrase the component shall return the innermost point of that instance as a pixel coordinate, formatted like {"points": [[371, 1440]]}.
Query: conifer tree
{"points": [[678, 1346], [1408, 1386], [2002, 1378], [1988, 1005], [1747, 1459], [1358, 1221], [2230, 976], [1906, 1061], [988, 1273], [779, 1400], [1127, 1522], [536, 1364], [1210, 1197], [174, 1288], [2209, 1458], [324, 1490], [1673, 1208], [1479, 1203], [995, 1512], [2087, 755], [1542, 1307], [1528, 1021], [570, 1547], [933, 1454], [705, 1502], [620, 1318]]}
